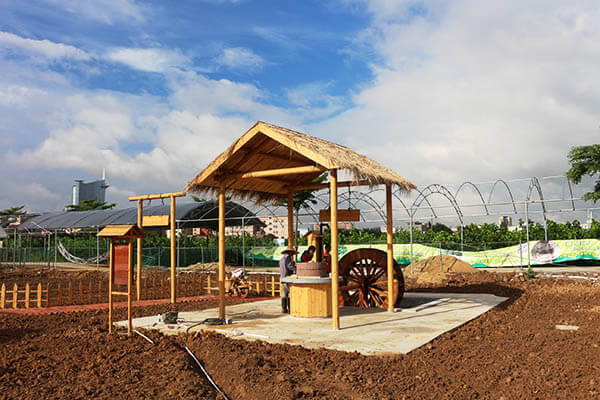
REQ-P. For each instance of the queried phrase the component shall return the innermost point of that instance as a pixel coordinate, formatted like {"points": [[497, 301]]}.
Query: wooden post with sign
{"points": [[158, 220], [120, 271]]}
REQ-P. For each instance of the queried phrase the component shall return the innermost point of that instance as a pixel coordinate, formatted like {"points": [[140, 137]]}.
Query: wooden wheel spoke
{"points": [[378, 299], [378, 275], [357, 270]]}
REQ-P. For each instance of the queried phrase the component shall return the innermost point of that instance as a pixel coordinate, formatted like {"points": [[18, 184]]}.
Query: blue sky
{"points": [[153, 91], [276, 48]]}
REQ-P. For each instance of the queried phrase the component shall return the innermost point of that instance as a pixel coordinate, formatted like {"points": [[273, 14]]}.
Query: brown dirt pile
{"points": [[428, 271], [206, 267]]}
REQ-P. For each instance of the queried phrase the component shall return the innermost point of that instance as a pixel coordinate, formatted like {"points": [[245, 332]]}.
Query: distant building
{"points": [[341, 225], [95, 190], [276, 226]]}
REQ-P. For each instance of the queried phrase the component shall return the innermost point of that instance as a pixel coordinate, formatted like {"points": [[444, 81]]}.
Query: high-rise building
{"points": [[95, 190]]}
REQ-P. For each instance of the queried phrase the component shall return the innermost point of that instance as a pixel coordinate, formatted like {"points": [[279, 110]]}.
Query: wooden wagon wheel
{"points": [[365, 279]]}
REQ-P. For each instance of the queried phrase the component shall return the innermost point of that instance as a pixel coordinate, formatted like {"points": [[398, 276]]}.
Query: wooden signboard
{"points": [[120, 264], [155, 220], [343, 215]]}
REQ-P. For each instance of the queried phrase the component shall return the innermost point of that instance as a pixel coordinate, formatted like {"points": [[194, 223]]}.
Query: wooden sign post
{"points": [[120, 272]]}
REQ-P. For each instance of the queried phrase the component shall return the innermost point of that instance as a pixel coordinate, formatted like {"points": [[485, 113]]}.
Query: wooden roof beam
{"points": [[313, 186], [305, 169], [270, 156], [157, 196]]}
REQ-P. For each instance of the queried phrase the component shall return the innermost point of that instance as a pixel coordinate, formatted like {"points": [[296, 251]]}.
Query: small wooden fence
{"points": [[70, 292]]}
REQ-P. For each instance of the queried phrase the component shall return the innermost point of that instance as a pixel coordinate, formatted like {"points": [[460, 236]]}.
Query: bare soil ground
{"points": [[512, 352]]}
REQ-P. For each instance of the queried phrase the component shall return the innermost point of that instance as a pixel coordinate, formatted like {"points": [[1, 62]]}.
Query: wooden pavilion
{"points": [[268, 163]]}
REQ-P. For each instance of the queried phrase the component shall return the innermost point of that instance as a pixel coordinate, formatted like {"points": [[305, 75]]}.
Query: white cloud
{"points": [[475, 90], [149, 59], [41, 48], [240, 58], [105, 11]]}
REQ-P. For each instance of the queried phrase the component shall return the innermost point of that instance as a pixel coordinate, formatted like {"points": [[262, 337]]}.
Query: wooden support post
{"points": [[15, 295], [138, 281], [390, 247], [272, 286], [38, 302], [201, 287], [222, 252], [265, 284], [290, 219], [27, 295], [2, 296], [333, 201], [60, 293], [90, 292], [208, 287], [173, 235], [129, 287], [48, 291], [70, 292], [110, 280], [80, 292], [99, 291]]}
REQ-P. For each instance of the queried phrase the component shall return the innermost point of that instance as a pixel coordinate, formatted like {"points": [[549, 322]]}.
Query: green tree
{"points": [[90, 205], [303, 199], [18, 210], [585, 160]]}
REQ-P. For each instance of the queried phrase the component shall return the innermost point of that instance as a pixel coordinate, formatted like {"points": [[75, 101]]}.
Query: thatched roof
{"points": [[266, 147]]}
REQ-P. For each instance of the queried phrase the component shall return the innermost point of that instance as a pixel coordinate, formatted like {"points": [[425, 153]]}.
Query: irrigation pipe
{"points": [[214, 385], [144, 336], [206, 374]]}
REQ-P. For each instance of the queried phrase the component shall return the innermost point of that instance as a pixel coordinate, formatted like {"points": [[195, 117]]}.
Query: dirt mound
{"points": [[448, 264], [206, 267], [428, 271]]}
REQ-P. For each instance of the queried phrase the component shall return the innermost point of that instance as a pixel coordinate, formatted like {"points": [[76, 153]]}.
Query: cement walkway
{"points": [[367, 331]]}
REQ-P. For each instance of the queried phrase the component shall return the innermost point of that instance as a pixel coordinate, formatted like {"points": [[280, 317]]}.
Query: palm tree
{"points": [[303, 200], [13, 211]]}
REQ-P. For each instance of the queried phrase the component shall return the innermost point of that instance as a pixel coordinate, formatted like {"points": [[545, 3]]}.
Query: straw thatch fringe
{"points": [[318, 151]]}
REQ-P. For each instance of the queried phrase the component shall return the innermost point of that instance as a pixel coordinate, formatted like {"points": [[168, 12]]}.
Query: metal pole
{"points": [[520, 250], [545, 227], [527, 227]]}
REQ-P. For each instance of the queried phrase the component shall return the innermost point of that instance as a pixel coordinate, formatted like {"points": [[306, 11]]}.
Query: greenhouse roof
{"points": [[188, 215]]}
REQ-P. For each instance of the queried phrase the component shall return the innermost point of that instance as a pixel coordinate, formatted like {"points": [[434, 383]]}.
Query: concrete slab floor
{"points": [[367, 331]]}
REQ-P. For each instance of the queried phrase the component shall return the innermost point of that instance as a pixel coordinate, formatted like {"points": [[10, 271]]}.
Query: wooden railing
{"points": [[70, 292]]}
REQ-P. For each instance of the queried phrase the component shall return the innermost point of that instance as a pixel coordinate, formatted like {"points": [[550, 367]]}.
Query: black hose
{"points": [[206, 374]]}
